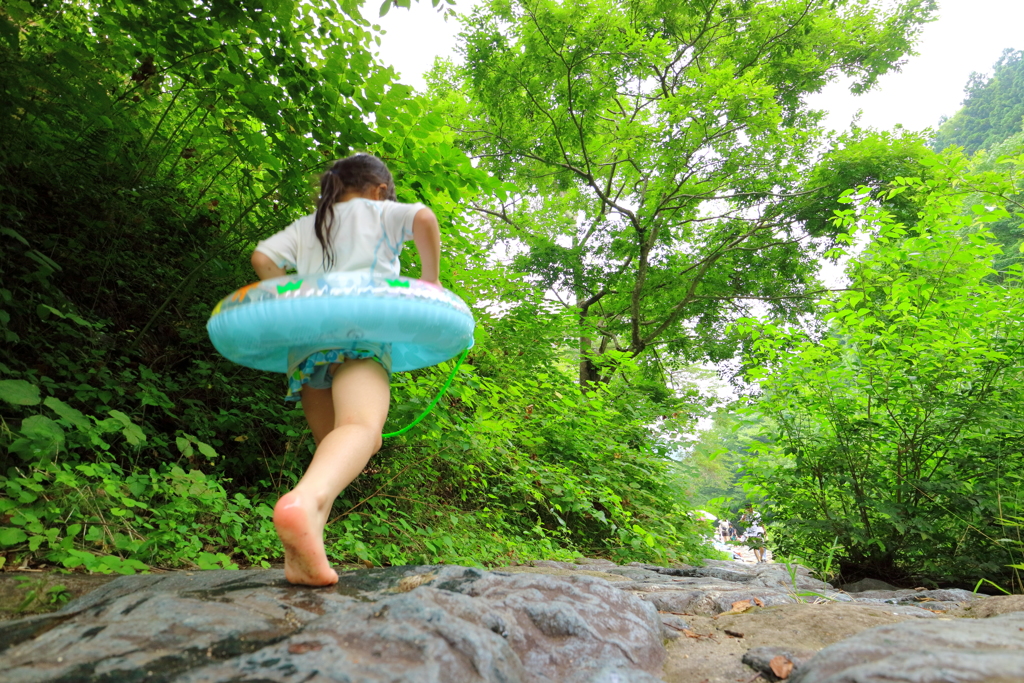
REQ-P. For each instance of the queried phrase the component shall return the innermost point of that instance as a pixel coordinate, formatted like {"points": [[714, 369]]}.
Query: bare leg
{"points": [[318, 407], [360, 395]]}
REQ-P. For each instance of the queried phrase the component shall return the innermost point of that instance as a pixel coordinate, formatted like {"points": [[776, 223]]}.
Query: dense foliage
{"points": [[993, 109], [658, 152], [881, 432], [899, 430], [144, 148], [713, 467]]}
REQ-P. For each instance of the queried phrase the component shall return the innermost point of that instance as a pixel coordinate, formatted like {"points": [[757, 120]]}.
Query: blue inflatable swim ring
{"points": [[265, 324]]}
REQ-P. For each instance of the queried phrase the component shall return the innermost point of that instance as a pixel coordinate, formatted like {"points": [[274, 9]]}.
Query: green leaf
{"points": [[66, 412], [43, 259], [206, 449], [131, 431], [121, 566], [12, 233], [46, 435], [12, 536], [185, 446], [19, 392]]}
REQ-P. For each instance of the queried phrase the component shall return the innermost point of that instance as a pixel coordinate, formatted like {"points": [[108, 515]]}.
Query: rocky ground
{"points": [[590, 621]]}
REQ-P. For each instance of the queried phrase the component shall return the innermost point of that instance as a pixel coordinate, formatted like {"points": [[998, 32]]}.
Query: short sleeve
{"points": [[282, 248], [398, 220]]}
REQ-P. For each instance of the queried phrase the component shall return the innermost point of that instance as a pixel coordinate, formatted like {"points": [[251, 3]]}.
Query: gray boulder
{"points": [[678, 570], [710, 602], [555, 564], [595, 562], [673, 601], [674, 626], [634, 573], [725, 574], [927, 651], [940, 595], [783, 581], [993, 606], [868, 585], [401, 625], [941, 600]]}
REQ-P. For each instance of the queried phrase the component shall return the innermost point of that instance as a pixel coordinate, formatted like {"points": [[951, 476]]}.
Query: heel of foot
{"points": [[305, 561]]}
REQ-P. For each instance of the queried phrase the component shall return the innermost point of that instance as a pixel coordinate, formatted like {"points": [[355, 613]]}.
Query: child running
{"points": [[358, 227]]}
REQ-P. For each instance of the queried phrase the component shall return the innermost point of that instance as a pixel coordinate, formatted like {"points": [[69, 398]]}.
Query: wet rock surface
{"points": [[589, 621], [404, 624]]}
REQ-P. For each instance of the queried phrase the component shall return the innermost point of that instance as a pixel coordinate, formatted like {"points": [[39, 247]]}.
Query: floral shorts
{"points": [[314, 370]]}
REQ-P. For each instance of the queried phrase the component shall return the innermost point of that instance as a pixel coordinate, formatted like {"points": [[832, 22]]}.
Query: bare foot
{"points": [[305, 562]]}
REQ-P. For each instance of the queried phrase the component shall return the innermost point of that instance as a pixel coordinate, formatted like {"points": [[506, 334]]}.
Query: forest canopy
{"points": [[993, 109], [657, 154]]}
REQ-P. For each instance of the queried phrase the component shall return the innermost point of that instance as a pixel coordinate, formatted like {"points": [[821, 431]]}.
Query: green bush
{"points": [[899, 429]]}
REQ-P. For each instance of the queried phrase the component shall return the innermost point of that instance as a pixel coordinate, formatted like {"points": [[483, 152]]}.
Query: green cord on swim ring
{"points": [[437, 398]]}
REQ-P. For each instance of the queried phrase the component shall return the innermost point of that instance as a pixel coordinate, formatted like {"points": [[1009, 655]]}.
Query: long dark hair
{"points": [[358, 172]]}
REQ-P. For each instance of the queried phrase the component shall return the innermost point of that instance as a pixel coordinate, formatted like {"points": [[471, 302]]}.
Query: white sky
{"points": [[969, 35]]}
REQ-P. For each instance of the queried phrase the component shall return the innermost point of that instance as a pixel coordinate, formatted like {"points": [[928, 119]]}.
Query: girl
{"points": [[358, 227]]}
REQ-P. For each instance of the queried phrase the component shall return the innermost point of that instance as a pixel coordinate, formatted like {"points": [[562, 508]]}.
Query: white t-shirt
{"points": [[367, 237]]}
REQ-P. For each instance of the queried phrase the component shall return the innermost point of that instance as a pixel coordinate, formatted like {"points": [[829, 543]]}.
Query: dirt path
{"points": [[715, 654]]}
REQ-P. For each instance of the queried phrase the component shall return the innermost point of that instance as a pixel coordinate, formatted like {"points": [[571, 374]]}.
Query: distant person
{"points": [[750, 515], [725, 530], [753, 533], [754, 538], [358, 227]]}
